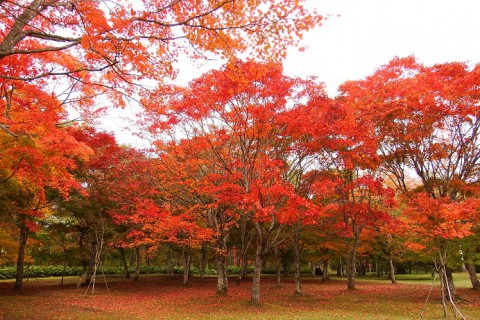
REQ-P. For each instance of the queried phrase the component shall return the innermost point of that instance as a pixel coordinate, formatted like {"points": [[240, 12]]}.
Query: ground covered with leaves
{"points": [[162, 297]]}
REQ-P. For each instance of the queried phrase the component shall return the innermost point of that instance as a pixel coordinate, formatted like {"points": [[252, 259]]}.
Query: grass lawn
{"points": [[160, 297]]}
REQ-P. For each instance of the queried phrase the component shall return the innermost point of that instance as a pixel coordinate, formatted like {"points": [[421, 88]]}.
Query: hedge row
{"points": [[57, 271]]}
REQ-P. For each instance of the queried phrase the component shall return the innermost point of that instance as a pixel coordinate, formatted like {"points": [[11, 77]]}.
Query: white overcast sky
{"points": [[361, 35]]}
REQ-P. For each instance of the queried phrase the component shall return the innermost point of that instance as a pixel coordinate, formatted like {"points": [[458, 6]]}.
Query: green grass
{"points": [[160, 297], [461, 280]]}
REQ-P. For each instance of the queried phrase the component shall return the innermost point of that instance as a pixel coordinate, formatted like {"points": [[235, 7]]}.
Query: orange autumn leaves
{"points": [[57, 55], [441, 218], [261, 144], [426, 122], [244, 127]]}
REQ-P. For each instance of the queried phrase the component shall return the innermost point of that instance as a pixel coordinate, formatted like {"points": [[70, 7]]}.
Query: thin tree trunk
{"points": [[133, 256], [451, 285], [245, 242], [96, 265], [22, 244], [97, 248], [245, 266], [351, 261], [296, 261], [87, 268], [203, 262], [64, 263], [360, 268], [222, 280], [257, 271], [137, 264], [124, 261], [443, 291], [243, 272], [391, 273], [84, 257], [286, 267], [170, 260], [447, 286], [278, 269], [326, 274], [472, 272], [187, 256], [340, 267]]}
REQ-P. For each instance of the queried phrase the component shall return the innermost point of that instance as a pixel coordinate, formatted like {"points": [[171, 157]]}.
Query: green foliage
{"points": [[7, 272], [56, 271], [40, 271]]}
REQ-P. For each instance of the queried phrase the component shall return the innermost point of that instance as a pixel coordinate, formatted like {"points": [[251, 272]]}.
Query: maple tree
{"points": [[236, 157], [357, 204], [195, 182], [89, 209], [302, 162], [426, 119], [145, 205], [33, 163], [341, 155], [122, 207]]}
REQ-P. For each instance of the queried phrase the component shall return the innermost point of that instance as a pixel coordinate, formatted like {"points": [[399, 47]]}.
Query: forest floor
{"points": [[161, 297]]}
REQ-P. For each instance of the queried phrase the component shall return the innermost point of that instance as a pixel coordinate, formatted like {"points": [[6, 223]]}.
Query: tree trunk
{"points": [[244, 267], [124, 261], [87, 268], [187, 256], [286, 267], [326, 274], [244, 250], [22, 244], [472, 272], [85, 259], [170, 260], [340, 267], [447, 286], [203, 261], [351, 261], [391, 274], [296, 261], [222, 280], [64, 263], [278, 269], [257, 271], [137, 264], [361, 269], [451, 285]]}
